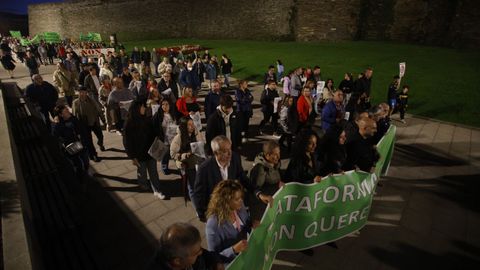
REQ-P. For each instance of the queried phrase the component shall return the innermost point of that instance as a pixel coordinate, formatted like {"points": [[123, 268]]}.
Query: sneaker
{"points": [[403, 121], [119, 133], [276, 136], [159, 195], [165, 169]]}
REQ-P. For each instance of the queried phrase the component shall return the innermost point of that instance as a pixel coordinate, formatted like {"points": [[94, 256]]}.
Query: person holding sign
{"points": [[392, 94], [228, 221], [304, 166], [265, 178], [181, 151], [139, 136]]}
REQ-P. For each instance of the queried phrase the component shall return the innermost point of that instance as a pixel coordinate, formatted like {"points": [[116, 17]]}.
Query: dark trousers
{"points": [[69, 100], [286, 137], [402, 110], [244, 121], [98, 133], [149, 166], [267, 115]]}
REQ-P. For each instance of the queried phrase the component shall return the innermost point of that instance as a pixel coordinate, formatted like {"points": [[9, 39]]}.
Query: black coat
{"points": [[216, 126], [361, 153], [207, 261], [208, 175], [267, 98], [299, 171], [139, 137]]}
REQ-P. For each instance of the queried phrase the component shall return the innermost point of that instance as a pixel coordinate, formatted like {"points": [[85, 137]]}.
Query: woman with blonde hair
{"points": [[228, 221]]}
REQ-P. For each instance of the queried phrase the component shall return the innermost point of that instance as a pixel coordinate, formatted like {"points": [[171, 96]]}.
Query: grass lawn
{"points": [[443, 81]]}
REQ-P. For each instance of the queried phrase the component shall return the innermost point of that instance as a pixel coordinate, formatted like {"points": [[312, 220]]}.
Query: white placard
{"points": [[171, 132], [402, 66], [275, 104], [197, 120], [167, 91], [155, 109], [93, 53], [198, 149], [125, 104]]}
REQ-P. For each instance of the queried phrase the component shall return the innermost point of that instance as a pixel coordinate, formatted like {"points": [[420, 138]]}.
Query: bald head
{"points": [[367, 127]]}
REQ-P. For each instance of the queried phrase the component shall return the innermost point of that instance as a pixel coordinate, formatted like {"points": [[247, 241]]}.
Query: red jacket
{"points": [[303, 109], [182, 105]]}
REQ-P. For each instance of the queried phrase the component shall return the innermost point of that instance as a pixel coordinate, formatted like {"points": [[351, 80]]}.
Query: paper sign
{"points": [[171, 132], [197, 120], [155, 109], [275, 104], [125, 104], [167, 91], [198, 149], [402, 66]]}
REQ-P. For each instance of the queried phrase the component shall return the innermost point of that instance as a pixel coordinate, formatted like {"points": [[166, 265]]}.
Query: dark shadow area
{"points": [[116, 240], [113, 158], [406, 256], [415, 155], [116, 150], [117, 178], [9, 197]]}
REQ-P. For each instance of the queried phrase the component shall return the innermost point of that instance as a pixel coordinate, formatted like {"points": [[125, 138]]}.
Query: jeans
{"points": [[150, 166], [226, 80]]}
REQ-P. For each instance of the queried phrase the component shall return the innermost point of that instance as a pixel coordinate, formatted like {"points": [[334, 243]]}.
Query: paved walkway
{"points": [[426, 212]]}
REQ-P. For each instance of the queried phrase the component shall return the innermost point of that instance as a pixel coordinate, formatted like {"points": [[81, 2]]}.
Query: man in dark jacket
{"points": [[31, 63], [267, 99], [189, 77], [180, 248], [223, 121], [225, 164], [145, 56], [212, 100], [364, 84], [44, 95], [361, 151]]}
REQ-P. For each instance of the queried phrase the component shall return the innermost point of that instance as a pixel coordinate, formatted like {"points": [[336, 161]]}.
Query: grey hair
{"points": [[217, 141], [176, 241]]}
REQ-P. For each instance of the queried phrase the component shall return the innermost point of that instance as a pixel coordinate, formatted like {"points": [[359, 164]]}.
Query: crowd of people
{"points": [[120, 93]]}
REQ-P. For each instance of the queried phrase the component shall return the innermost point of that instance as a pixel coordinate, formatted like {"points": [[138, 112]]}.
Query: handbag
{"points": [[158, 149]]}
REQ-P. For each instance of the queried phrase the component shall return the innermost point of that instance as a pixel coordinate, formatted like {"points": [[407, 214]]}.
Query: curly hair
{"points": [[222, 195]]}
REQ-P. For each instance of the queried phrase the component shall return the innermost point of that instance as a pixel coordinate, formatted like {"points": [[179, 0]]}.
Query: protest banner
{"points": [[93, 53], [24, 42], [36, 39], [15, 34], [305, 216], [51, 37], [96, 37]]}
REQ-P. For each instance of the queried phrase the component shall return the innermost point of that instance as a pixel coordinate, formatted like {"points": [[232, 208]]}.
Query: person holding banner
{"points": [[361, 152], [265, 179], [180, 248], [228, 221], [304, 166]]}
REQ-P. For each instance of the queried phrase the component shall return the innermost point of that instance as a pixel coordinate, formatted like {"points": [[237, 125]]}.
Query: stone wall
{"points": [[435, 22]]}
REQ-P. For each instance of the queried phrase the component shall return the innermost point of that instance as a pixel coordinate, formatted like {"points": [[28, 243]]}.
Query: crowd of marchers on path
{"points": [[152, 103]]}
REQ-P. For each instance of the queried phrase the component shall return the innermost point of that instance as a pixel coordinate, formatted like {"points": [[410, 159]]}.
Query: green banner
{"points": [[305, 216], [36, 39], [95, 37], [24, 42], [52, 37], [16, 34]]}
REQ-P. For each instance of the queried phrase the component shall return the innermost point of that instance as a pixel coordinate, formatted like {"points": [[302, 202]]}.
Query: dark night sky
{"points": [[20, 6]]}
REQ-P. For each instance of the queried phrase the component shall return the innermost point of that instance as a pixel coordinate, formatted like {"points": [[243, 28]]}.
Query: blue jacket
{"points": [[329, 115], [221, 238], [244, 100], [189, 78]]}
